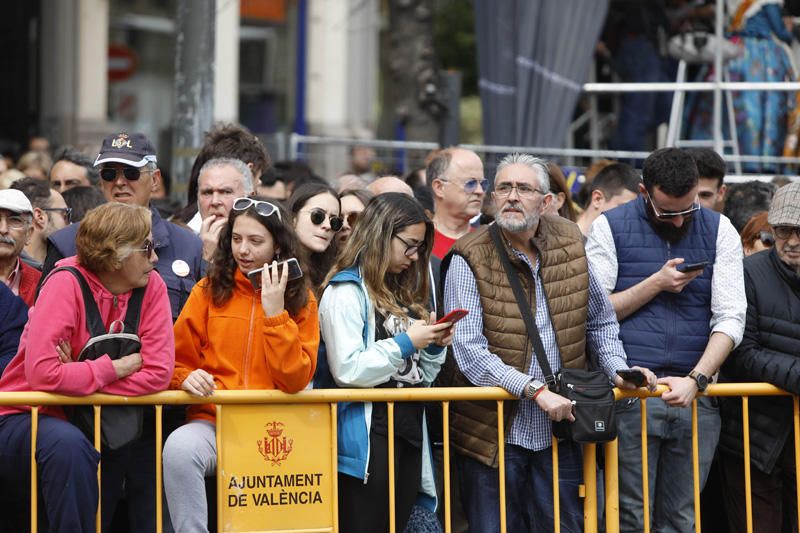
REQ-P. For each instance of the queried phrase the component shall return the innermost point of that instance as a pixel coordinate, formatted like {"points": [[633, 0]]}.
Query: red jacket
{"points": [[29, 279]]}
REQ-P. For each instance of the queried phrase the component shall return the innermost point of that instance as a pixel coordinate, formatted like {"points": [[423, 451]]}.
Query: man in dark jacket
{"points": [[129, 174], [768, 352], [13, 315]]}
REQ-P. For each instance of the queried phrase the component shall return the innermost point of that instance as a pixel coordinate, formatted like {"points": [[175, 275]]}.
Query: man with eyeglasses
{"points": [[673, 270], [16, 229], [769, 352], [129, 174], [491, 347], [50, 214], [458, 184]]}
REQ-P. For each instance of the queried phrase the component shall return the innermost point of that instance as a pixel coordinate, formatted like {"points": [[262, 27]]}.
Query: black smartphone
{"points": [[691, 267], [292, 264], [636, 377]]}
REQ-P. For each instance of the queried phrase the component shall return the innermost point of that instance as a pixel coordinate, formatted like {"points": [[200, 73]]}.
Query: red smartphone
{"points": [[453, 316]]}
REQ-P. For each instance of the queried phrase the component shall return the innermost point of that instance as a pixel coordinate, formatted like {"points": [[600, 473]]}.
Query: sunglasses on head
{"points": [[264, 209], [147, 248], [766, 238], [318, 217], [130, 173]]}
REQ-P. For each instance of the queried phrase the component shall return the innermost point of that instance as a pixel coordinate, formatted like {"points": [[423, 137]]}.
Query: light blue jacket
{"points": [[356, 359]]}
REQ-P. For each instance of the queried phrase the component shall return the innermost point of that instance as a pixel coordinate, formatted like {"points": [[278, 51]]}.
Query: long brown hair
{"points": [[369, 246], [223, 267]]}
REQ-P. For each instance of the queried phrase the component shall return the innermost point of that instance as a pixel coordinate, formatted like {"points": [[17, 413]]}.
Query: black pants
{"points": [[364, 508], [773, 495]]}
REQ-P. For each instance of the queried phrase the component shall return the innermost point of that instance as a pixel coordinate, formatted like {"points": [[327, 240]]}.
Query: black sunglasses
{"points": [[318, 217], [130, 173]]}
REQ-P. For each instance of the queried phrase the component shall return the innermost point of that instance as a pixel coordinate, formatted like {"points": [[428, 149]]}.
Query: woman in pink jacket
{"points": [[115, 256]]}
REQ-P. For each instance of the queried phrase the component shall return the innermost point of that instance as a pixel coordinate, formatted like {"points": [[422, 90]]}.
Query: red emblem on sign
{"points": [[275, 447]]}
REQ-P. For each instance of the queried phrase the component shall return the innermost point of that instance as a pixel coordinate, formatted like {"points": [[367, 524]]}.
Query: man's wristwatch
{"points": [[700, 379], [532, 388]]}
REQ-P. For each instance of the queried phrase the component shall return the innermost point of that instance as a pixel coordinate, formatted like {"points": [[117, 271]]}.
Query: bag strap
{"points": [[93, 321], [524, 306], [133, 313]]}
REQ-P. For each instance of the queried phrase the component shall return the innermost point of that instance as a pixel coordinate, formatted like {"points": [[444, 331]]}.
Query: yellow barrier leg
{"points": [[335, 463], [501, 464], [590, 482], [390, 423], [97, 411], [612, 486], [695, 467], [645, 469], [446, 452], [748, 502], [159, 470], [220, 468], [34, 477], [796, 404], [556, 491]]}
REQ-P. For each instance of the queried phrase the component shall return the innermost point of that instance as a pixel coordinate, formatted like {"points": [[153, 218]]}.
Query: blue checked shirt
{"points": [[531, 426]]}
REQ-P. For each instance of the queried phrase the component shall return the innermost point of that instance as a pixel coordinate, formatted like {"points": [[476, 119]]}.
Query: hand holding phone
{"points": [[292, 264], [636, 377], [691, 267], [453, 316]]}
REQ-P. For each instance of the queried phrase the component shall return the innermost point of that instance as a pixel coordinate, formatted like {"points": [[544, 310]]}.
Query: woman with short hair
{"points": [[115, 257]]}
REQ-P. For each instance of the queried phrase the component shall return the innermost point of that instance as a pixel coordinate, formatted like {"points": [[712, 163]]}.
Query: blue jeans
{"points": [[669, 460], [529, 490]]}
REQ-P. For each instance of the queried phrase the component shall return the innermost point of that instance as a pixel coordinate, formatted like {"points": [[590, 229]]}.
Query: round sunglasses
{"points": [[318, 217]]}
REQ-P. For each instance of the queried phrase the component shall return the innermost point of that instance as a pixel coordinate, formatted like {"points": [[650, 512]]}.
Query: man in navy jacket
{"points": [[129, 174], [13, 316], [679, 322]]}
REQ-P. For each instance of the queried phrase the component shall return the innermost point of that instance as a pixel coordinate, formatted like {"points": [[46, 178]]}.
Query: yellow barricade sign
{"points": [[275, 466]]}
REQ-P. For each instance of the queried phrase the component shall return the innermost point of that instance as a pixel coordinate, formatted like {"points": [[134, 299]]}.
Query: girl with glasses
{"points": [[231, 335], [315, 213], [378, 332]]}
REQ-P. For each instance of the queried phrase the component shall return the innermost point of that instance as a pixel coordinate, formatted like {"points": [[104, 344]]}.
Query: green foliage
{"points": [[454, 35]]}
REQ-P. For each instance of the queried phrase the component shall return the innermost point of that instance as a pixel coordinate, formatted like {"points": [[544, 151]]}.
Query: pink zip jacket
{"points": [[59, 314]]}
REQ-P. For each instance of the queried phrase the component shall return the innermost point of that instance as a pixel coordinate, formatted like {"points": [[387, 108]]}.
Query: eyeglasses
{"points": [[766, 238], [65, 211], [318, 217], [786, 232], [411, 249], [523, 190], [15, 221], [471, 185], [264, 209], [672, 214], [130, 173], [149, 247], [352, 218]]}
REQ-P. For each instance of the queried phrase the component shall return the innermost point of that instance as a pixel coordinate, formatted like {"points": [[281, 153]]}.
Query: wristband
{"points": [[538, 392]]}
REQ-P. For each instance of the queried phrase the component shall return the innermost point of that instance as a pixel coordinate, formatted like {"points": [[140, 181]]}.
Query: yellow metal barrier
{"points": [[444, 395]]}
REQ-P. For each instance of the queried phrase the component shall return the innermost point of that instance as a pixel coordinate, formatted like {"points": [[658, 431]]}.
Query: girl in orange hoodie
{"points": [[233, 336]]}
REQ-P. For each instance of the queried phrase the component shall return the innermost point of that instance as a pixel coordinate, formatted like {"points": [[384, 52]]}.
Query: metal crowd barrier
{"points": [[445, 396]]}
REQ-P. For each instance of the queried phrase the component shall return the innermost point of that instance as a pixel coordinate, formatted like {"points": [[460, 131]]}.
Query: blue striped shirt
{"points": [[531, 426]]}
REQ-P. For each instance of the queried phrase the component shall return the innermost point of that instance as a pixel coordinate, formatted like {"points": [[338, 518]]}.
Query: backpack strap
{"points": [[94, 323], [133, 313]]}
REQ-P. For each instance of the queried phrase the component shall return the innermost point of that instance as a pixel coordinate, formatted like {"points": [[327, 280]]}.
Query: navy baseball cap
{"points": [[132, 149]]}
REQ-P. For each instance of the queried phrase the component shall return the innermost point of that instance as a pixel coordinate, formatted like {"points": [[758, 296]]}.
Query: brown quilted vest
{"points": [[564, 272]]}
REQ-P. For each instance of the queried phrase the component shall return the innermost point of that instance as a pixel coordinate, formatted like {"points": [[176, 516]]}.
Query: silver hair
{"points": [[240, 166], [538, 165]]}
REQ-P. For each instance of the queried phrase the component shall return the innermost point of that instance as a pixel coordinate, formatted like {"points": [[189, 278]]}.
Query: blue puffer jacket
{"points": [[356, 359], [668, 334], [173, 243]]}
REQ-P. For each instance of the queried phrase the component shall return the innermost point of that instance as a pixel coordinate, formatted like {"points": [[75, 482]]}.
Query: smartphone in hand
{"points": [[636, 377], [691, 267], [453, 316], [292, 264]]}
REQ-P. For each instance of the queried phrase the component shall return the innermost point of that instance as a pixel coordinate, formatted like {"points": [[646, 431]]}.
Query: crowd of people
{"points": [[670, 272]]}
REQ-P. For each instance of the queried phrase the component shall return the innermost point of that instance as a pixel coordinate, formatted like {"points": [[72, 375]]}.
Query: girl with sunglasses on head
{"points": [[378, 332], [315, 212], [757, 234], [232, 335]]}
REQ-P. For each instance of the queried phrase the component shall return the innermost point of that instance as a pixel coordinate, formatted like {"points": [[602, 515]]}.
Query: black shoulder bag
{"points": [[120, 424], [589, 391]]}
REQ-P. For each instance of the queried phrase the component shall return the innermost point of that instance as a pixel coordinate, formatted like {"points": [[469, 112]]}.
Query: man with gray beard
{"points": [[491, 348]]}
